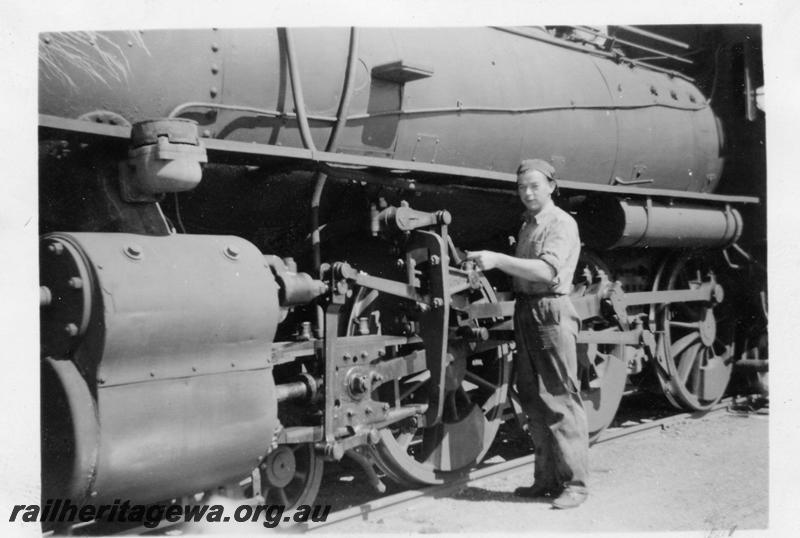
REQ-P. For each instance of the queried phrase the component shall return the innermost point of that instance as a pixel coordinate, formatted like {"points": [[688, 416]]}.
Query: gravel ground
{"points": [[708, 474]]}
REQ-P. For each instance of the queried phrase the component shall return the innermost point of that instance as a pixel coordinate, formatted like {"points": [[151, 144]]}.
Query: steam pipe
{"points": [[297, 90], [341, 120]]}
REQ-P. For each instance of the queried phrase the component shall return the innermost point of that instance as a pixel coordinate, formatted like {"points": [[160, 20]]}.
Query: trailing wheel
{"points": [[695, 338], [476, 382]]}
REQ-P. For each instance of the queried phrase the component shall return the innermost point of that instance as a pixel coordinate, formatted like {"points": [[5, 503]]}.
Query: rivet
{"points": [[56, 248], [232, 251], [71, 329], [152, 374], [214, 47], [101, 381], [47, 40], [213, 91], [133, 251], [206, 133], [214, 68], [75, 283]]}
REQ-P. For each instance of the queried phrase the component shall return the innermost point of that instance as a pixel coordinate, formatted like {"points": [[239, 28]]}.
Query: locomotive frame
{"points": [[342, 364]]}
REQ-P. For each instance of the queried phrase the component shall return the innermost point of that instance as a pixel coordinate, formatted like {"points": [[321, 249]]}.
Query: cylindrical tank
{"points": [[608, 222], [475, 97], [169, 374]]}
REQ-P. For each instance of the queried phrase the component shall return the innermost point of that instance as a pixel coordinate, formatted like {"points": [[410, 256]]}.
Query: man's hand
{"points": [[532, 269], [484, 259]]}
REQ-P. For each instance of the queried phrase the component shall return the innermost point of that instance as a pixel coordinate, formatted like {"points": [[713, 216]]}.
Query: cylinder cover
{"points": [[169, 375]]}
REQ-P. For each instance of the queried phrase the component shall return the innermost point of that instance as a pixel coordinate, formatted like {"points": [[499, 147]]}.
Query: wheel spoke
{"points": [[300, 475], [696, 378], [686, 363], [461, 393], [680, 345], [412, 390], [282, 496], [693, 325], [481, 382]]}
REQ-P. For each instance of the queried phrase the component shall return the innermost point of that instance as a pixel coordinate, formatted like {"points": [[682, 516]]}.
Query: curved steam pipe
{"points": [[297, 90], [341, 120]]}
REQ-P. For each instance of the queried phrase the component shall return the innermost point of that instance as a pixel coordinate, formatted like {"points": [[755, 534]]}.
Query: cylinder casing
{"points": [[173, 369]]}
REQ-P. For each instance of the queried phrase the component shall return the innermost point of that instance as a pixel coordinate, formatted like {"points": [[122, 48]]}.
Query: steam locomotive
{"points": [[252, 250]]}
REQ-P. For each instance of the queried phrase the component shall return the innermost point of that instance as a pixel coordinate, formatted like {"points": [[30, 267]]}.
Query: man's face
{"points": [[534, 190]]}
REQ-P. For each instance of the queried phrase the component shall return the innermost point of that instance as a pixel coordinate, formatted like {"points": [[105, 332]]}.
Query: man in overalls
{"points": [[546, 327]]}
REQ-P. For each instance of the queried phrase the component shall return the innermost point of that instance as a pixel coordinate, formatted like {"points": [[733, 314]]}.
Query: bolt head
{"points": [[133, 251], [232, 252]]}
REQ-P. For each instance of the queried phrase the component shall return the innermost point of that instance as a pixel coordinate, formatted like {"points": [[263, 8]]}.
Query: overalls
{"points": [[546, 327]]}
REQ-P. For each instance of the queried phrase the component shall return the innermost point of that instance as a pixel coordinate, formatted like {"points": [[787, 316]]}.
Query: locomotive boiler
{"points": [[252, 246]]}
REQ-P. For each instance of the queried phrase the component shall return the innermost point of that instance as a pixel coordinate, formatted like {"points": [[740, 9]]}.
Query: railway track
{"points": [[384, 505]]}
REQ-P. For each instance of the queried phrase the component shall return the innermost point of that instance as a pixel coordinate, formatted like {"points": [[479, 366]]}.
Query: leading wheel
{"points": [[696, 338], [290, 475], [475, 393]]}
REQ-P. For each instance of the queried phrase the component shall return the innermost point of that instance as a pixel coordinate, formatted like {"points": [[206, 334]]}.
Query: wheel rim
{"points": [[602, 379], [696, 340], [476, 389]]}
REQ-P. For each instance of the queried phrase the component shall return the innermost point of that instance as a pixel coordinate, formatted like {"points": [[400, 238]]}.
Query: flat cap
{"points": [[539, 165]]}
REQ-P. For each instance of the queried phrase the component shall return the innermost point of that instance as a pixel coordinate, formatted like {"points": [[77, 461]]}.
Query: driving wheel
{"points": [[476, 383]]}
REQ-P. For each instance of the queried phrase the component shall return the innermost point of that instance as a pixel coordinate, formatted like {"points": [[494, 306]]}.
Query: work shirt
{"points": [[551, 236]]}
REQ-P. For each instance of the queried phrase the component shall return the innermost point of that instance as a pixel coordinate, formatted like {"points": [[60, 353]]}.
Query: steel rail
{"points": [[406, 498]]}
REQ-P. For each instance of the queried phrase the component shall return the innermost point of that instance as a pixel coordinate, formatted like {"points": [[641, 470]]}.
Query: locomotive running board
{"points": [[370, 169]]}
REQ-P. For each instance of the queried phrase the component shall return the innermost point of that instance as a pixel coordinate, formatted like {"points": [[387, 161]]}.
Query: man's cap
{"points": [[540, 165]]}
